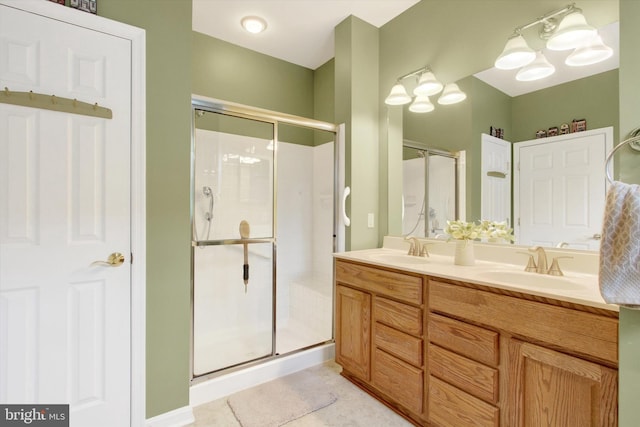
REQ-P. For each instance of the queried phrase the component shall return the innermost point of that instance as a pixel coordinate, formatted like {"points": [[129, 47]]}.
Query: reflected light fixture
{"points": [[451, 95], [398, 95], [253, 24], [516, 54], [421, 104], [427, 85], [592, 52], [573, 32]]}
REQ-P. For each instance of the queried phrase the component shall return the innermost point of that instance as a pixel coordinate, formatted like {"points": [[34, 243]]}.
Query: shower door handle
{"points": [[345, 218]]}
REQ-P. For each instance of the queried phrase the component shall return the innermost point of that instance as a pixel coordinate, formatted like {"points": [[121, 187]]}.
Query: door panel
{"points": [[562, 189], [233, 180], [496, 179], [65, 203]]}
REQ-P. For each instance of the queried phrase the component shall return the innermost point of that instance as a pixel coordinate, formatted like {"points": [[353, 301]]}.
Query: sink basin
{"points": [[400, 259], [524, 278]]}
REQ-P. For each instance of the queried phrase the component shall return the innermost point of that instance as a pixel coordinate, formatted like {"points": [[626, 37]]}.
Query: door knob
{"points": [[596, 236], [116, 259]]}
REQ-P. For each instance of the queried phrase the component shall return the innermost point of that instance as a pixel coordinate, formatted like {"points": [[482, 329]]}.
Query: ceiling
{"points": [[298, 31], [302, 32]]}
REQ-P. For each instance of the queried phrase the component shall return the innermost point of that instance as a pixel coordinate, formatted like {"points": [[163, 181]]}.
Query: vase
{"points": [[464, 254]]}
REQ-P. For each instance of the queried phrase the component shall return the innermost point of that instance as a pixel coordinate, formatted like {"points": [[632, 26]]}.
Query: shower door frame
{"points": [[457, 157], [273, 117]]}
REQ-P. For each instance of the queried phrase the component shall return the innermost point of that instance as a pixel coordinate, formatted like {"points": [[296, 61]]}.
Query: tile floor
{"points": [[353, 408]]}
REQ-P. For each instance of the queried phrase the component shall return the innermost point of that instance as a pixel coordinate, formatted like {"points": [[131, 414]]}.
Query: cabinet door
{"points": [[548, 388], [353, 331]]}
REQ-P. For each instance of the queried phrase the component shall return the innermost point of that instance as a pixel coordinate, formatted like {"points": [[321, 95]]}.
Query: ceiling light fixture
{"points": [[427, 85], [572, 32], [253, 24]]}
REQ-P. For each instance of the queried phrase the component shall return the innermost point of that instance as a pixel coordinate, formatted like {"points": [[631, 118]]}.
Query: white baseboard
{"points": [[176, 418], [225, 385]]}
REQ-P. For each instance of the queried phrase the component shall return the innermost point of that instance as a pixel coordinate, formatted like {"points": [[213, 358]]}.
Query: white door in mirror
{"points": [[560, 191]]}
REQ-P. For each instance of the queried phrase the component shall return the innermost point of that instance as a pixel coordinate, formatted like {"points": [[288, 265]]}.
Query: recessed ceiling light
{"points": [[253, 24]]}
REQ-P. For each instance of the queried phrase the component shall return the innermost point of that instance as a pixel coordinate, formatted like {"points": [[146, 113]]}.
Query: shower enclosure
{"points": [[263, 197], [432, 189]]}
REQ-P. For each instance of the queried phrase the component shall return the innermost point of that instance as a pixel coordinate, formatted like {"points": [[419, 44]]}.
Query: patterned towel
{"points": [[619, 276]]}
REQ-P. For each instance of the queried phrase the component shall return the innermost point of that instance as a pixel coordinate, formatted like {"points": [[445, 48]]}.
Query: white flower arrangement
{"points": [[492, 230]]}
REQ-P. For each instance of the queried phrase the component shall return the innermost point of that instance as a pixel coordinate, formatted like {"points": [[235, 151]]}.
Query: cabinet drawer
{"points": [[471, 341], [451, 407], [401, 316], [578, 332], [406, 347], [398, 380], [466, 374], [398, 286]]}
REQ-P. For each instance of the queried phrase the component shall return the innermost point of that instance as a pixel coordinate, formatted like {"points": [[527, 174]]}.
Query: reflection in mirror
{"points": [[425, 213]]}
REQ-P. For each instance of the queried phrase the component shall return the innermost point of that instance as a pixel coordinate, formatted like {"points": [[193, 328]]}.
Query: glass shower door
{"points": [[233, 241]]}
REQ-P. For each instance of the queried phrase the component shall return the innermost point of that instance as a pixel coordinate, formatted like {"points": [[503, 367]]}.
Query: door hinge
{"points": [[518, 222], [131, 258]]}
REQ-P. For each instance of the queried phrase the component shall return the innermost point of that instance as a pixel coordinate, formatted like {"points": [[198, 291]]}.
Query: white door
{"points": [[496, 179], [65, 203], [561, 189]]}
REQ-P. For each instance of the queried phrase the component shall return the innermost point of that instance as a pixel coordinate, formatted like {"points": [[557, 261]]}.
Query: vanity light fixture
{"points": [[516, 53], [573, 32], [421, 104], [451, 95], [398, 95], [538, 69], [427, 85], [592, 52], [253, 24]]}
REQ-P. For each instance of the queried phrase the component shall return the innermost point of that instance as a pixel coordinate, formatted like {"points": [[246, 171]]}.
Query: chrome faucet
{"points": [[541, 264]]}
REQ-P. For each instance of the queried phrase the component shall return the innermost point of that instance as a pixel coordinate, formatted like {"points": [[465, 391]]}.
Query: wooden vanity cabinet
{"points": [[556, 362], [453, 354], [380, 334]]}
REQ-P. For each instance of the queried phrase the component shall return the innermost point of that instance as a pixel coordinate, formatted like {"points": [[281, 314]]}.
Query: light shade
{"points": [[538, 69], [516, 54], [398, 96], [572, 32], [451, 95], [421, 105], [253, 24], [427, 85], [589, 53]]}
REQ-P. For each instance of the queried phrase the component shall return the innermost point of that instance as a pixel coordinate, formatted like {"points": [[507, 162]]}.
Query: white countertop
{"points": [[576, 287]]}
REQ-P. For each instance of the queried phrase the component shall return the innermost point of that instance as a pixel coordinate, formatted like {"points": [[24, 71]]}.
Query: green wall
{"points": [[180, 62], [168, 37], [356, 105], [628, 165], [593, 98]]}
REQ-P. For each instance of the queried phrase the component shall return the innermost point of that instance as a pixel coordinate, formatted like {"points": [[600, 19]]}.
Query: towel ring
{"points": [[633, 142]]}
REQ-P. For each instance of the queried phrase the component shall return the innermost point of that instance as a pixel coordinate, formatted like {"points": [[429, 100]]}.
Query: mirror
{"points": [[455, 128]]}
